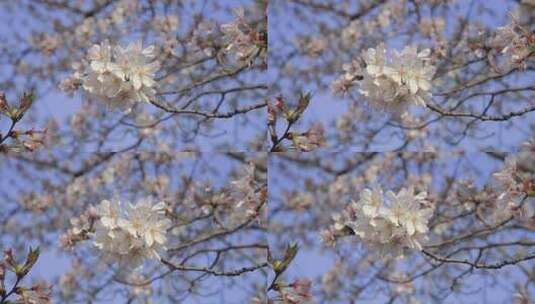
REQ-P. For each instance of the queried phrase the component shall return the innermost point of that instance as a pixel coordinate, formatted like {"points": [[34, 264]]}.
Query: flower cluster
{"points": [[297, 292], [39, 293], [514, 40], [310, 140], [241, 39], [241, 200], [118, 76], [81, 227], [128, 234], [388, 223], [516, 184], [390, 85]]}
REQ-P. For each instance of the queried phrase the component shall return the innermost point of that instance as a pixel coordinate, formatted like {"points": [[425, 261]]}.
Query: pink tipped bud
{"points": [[4, 107]]}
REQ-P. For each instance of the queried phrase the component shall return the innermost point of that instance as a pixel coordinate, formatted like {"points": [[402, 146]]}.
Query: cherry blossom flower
{"points": [[375, 60], [371, 201], [118, 76], [390, 83], [109, 213], [146, 222], [130, 233], [132, 65], [297, 292], [387, 223], [406, 210], [409, 68]]}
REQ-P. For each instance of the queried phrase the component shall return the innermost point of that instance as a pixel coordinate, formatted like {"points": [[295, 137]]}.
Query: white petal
{"points": [[424, 85], [148, 239], [413, 86], [148, 81], [98, 66], [160, 238], [136, 81], [424, 53], [410, 228], [149, 51], [94, 52], [159, 206]]}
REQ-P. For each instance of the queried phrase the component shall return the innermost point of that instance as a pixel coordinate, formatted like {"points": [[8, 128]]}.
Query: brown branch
{"points": [[232, 273], [477, 265], [481, 117], [229, 114]]}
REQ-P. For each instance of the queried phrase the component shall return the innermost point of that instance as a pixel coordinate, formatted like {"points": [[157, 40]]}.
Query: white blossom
{"points": [[109, 213], [130, 233], [375, 60], [390, 83], [371, 201], [146, 222], [407, 211], [133, 65], [118, 76], [389, 223], [409, 68]]}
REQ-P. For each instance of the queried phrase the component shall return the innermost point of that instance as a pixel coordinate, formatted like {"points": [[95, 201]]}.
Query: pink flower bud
{"points": [[4, 107]]}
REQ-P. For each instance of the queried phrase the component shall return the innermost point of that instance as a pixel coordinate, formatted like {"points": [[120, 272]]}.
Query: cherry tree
{"points": [[410, 227], [113, 74], [140, 226], [418, 75], [371, 151]]}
